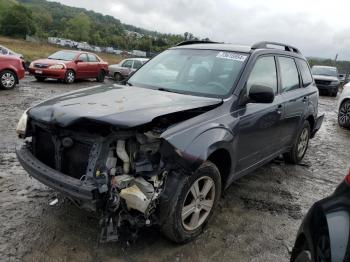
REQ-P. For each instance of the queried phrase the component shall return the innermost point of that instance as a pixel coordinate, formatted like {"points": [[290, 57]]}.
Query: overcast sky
{"points": [[318, 28]]}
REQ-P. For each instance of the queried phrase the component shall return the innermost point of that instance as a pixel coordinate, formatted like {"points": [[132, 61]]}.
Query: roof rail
{"points": [[192, 42], [264, 45]]}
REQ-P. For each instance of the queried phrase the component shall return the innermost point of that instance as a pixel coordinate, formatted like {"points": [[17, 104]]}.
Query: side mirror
{"points": [[78, 61], [261, 94]]}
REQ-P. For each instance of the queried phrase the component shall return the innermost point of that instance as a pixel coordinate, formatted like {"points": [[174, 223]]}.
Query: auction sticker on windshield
{"points": [[231, 56]]}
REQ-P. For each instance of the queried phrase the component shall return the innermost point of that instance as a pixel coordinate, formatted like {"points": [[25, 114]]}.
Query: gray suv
{"points": [[160, 149], [326, 79]]}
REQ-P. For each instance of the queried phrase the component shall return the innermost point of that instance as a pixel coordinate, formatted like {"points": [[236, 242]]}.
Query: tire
{"points": [[300, 145], [40, 78], [101, 76], [118, 77], [8, 80], [323, 247], [177, 224], [334, 92], [69, 78], [344, 114]]}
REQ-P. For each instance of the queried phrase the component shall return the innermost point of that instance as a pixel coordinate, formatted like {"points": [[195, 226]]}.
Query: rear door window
{"points": [[137, 64], [92, 58], [289, 74], [264, 73], [305, 72]]}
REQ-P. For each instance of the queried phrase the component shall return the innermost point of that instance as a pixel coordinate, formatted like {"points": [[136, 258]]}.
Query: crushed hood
{"points": [[122, 106]]}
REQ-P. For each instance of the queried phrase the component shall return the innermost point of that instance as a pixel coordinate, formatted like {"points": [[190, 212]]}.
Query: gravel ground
{"points": [[257, 219]]}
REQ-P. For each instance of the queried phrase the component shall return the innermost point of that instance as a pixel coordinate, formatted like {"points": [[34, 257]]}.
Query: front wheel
{"points": [[344, 114], [69, 77], [300, 145], [8, 80], [190, 202], [118, 77]]}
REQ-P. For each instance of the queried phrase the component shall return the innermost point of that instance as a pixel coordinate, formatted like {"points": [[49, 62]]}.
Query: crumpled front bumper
{"points": [[67, 185]]}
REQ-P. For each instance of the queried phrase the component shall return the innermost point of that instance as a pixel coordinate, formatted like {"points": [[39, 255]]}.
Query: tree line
{"points": [[42, 19]]}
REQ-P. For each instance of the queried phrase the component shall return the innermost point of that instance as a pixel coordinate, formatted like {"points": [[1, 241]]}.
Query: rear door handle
{"points": [[279, 109], [305, 98]]}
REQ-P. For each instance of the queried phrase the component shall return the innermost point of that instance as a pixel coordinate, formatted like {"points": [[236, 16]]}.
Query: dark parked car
{"points": [[327, 80], [125, 68], [69, 66], [324, 233], [11, 71], [162, 148]]}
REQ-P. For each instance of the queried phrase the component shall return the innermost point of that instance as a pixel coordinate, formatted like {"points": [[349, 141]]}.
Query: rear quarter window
{"points": [[305, 72]]}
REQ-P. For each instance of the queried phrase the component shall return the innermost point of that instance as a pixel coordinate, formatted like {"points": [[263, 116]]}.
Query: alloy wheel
{"points": [[70, 77], [303, 142], [198, 203], [8, 80], [344, 114]]}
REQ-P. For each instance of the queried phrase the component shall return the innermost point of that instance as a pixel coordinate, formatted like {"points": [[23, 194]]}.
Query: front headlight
{"points": [[56, 67], [22, 125], [335, 83]]}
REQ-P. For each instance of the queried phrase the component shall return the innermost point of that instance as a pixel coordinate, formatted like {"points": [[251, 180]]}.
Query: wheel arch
{"points": [[221, 157], [311, 120]]}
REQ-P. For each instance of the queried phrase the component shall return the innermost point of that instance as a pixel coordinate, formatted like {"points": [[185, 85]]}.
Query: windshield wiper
{"points": [[168, 90]]}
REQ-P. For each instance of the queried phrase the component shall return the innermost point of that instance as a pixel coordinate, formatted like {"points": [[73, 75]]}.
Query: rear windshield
{"points": [[63, 55], [209, 73]]}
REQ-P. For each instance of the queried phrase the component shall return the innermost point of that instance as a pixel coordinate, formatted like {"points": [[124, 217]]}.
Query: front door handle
{"points": [[305, 98]]}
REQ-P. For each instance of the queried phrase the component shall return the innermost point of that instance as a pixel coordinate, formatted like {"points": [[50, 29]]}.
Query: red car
{"points": [[11, 71], [69, 66]]}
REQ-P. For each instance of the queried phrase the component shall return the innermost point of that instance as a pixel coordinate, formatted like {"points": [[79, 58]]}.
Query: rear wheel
{"points": [[344, 114], [118, 77], [8, 80], [69, 77], [101, 76], [191, 203], [40, 78], [323, 247], [300, 145]]}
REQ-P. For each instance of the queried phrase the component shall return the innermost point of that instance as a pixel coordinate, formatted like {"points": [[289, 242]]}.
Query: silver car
{"points": [[126, 67], [344, 107]]}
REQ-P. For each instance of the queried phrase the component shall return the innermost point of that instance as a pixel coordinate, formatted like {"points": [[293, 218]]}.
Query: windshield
{"points": [[200, 72], [325, 71], [63, 55]]}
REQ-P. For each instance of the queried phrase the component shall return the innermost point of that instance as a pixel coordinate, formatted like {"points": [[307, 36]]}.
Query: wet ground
{"points": [[257, 219]]}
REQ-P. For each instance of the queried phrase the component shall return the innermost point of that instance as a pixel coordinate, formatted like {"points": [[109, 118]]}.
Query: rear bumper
{"points": [[317, 125], [67, 185], [49, 73]]}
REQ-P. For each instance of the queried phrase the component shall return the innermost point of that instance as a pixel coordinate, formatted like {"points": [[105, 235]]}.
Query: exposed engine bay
{"points": [[135, 174]]}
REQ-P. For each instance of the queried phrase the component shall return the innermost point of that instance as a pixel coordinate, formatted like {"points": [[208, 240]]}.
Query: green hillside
{"points": [[42, 19]]}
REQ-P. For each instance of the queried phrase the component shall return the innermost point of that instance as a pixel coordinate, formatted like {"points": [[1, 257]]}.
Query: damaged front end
{"points": [[120, 173]]}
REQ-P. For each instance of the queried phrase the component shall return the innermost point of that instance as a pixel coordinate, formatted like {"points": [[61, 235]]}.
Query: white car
{"points": [[344, 107], [5, 51], [125, 68]]}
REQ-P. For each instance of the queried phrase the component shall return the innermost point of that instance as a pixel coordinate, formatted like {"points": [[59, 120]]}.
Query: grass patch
{"points": [[32, 51]]}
